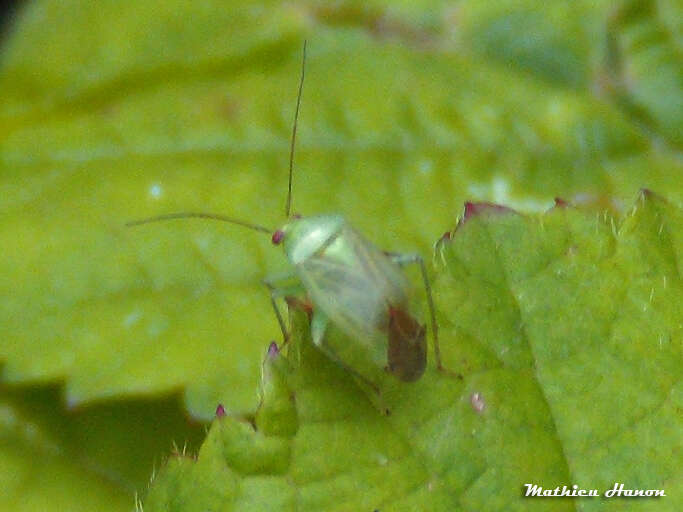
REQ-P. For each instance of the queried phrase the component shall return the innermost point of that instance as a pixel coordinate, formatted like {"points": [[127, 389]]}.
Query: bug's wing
{"points": [[378, 268], [345, 296], [407, 351], [354, 284]]}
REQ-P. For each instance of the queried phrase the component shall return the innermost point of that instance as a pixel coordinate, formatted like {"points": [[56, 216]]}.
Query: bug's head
{"points": [[279, 234], [304, 236]]}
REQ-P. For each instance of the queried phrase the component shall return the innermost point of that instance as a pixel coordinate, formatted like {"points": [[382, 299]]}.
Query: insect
{"points": [[347, 282]]}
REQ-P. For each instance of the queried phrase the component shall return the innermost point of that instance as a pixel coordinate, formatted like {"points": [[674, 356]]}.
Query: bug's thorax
{"points": [[305, 236]]}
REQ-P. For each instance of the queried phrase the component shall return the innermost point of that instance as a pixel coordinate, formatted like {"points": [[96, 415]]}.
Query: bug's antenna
{"points": [[199, 215], [296, 118]]}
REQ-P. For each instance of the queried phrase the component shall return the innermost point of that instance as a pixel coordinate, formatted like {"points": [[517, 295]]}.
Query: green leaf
{"points": [[567, 330], [37, 475], [171, 106], [643, 62], [94, 458]]}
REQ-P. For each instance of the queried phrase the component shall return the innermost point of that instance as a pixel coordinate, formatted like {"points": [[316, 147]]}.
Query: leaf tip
{"points": [[273, 351], [472, 209], [220, 411]]}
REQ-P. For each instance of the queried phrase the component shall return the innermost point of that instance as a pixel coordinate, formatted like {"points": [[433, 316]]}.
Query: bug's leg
{"points": [[319, 324], [407, 259], [283, 289]]}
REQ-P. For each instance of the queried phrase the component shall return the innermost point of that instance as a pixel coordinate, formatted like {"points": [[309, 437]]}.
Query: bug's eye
{"points": [[278, 236]]}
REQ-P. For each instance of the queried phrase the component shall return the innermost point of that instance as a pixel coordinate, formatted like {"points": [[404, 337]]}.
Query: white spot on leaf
{"points": [[131, 319], [155, 191]]}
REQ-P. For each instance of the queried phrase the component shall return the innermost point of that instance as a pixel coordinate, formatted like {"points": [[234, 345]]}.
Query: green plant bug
{"points": [[349, 283]]}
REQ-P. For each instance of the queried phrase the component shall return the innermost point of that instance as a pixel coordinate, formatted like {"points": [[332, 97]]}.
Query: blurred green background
{"points": [[115, 343]]}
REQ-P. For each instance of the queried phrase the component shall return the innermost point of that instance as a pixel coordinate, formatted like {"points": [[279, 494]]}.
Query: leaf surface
{"points": [[37, 475], [566, 328], [94, 458], [175, 106]]}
